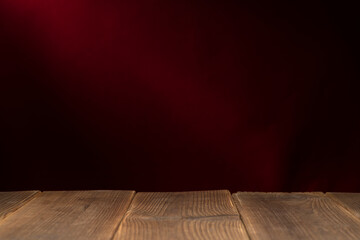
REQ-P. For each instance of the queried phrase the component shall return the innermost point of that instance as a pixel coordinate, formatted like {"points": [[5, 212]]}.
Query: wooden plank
{"points": [[351, 201], [182, 215], [68, 215], [295, 216], [11, 201]]}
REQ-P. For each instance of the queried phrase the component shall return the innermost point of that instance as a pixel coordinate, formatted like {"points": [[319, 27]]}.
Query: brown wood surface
{"points": [[351, 201], [68, 215], [182, 215], [295, 216], [11, 201], [178, 215]]}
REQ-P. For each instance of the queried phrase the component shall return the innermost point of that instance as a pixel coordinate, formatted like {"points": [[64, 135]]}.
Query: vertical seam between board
{"points": [[123, 217], [25, 202], [342, 206], [239, 214]]}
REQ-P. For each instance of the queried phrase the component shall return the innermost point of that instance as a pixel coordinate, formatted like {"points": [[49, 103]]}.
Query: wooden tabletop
{"points": [[115, 215]]}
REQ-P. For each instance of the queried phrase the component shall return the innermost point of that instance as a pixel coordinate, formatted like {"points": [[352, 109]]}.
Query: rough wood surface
{"points": [[351, 201], [11, 201], [68, 215], [295, 216], [182, 215]]}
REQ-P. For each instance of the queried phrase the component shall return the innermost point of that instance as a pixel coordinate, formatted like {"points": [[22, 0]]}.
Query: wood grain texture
{"points": [[295, 216], [182, 215], [68, 215], [11, 201], [351, 201]]}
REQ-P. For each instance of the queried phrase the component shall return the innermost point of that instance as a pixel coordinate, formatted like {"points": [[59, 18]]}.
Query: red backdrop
{"points": [[178, 95]]}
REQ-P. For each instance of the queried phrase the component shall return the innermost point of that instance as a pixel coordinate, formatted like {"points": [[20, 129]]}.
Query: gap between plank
{"points": [[342, 205], [25, 202], [123, 217], [239, 214]]}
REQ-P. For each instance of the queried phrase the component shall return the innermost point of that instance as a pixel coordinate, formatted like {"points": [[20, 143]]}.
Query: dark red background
{"points": [[178, 95]]}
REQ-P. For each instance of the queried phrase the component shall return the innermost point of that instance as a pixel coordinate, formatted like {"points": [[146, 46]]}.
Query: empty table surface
{"points": [[216, 214]]}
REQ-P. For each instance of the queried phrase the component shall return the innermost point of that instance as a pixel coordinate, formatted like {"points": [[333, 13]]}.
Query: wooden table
{"points": [[34, 215]]}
